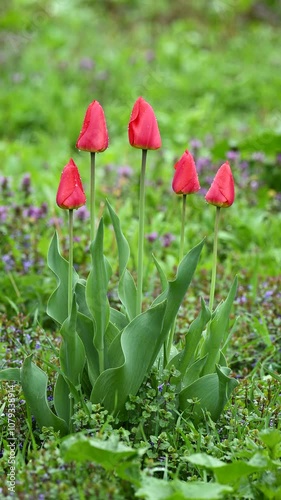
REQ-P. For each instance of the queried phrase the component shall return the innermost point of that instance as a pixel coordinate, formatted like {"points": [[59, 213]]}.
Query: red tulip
{"points": [[93, 136], [143, 128], [221, 192], [70, 191], [185, 180]]}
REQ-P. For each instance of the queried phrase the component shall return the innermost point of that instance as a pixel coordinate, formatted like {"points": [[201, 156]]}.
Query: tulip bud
{"points": [[93, 136], [221, 192], [185, 179], [143, 128], [70, 193]]}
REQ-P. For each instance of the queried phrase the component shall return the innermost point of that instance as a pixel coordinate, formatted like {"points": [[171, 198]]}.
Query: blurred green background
{"points": [[211, 71]]}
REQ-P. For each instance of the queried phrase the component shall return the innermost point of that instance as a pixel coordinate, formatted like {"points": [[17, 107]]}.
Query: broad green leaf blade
{"points": [[211, 391], [158, 489], [193, 372], [187, 356], [72, 352], [61, 399], [118, 319], [34, 384], [176, 290], [122, 243], [57, 307], [218, 330], [138, 341], [86, 331], [162, 276], [127, 288], [96, 289], [108, 454], [11, 374], [128, 294], [80, 293]]}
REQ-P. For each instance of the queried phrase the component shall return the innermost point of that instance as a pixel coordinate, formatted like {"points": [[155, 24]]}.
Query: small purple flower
{"points": [[151, 237], [160, 387], [26, 184], [167, 239], [82, 213], [3, 213], [26, 265], [278, 158], [195, 144], [232, 155], [125, 171], [268, 294], [8, 262], [86, 63], [202, 163], [258, 156]]}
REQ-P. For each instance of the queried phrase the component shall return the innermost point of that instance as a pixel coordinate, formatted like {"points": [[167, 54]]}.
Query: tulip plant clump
{"points": [[107, 352]]}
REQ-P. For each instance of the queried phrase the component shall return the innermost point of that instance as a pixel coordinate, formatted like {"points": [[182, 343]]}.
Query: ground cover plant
{"points": [[158, 450]]}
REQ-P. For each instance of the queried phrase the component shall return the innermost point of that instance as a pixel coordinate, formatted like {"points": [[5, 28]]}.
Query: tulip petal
{"points": [[222, 191], [70, 194], [185, 179], [93, 136], [143, 128]]}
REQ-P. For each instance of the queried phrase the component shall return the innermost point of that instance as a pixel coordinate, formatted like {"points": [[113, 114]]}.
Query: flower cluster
{"points": [[143, 133]]}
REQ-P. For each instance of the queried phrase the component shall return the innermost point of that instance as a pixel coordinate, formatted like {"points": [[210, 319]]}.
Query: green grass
{"points": [[211, 73]]}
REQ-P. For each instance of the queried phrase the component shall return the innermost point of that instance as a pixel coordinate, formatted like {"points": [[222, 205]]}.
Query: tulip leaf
{"points": [[57, 307], [72, 352], [61, 399], [86, 331], [122, 243], [127, 288], [177, 288], [34, 384], [118, 319], [135, 348], [218, 330], [210, 392], [162, 276], [186, 357], [128, 294], [96, 289], [11, 374]]}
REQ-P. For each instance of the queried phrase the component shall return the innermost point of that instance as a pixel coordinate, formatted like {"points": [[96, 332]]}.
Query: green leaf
{"points": [[108, 454], [118, 319], [211, 391], [218, 331], [61, 399], [228, 473], [186, 357], [127, 288], [34, 383], [128, 294], [72, 352], [11, 374], [177, 288], [134, 348], [158, 489], [96, 289], [163, 278], [122, 243], [57, 307], [86, 330]]}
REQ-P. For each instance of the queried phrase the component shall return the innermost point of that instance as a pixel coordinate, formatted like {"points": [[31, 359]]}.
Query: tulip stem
{"points": [[214, 266], [70, 260], [182, 227], [141, 233], [93, 194], [168, 344]]}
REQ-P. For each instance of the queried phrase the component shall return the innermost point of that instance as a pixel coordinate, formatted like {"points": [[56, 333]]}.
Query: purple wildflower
{"points": [[86, 63], [167, 239], [151, 237], [83, 213], [125, 171], [232, 155], [3, 213]]}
